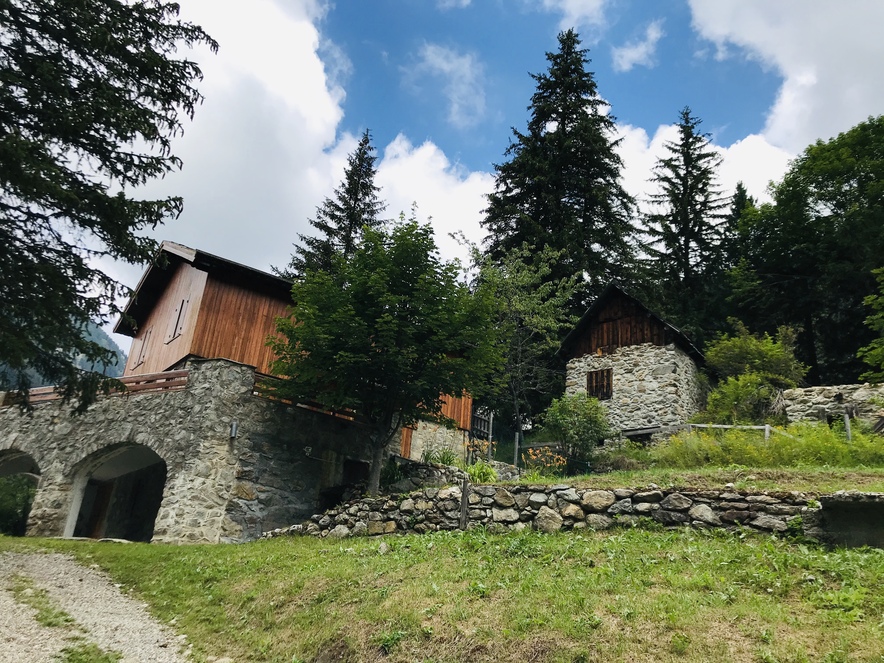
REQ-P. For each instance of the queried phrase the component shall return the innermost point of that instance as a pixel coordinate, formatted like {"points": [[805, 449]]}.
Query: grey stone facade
{"points": [[429, 436], [218, 487], [824, 403], [652, 385]]}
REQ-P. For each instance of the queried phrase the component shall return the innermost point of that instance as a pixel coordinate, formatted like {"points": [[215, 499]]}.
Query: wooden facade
{"points": [[192, 304], [616, 320]]}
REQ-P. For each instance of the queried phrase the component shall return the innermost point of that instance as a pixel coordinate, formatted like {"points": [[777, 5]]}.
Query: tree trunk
{"points": [[378, 456]]}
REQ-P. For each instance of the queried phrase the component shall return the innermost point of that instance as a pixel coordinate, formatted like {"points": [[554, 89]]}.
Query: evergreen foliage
{"points": [[90, 98], [685, 230], [340, 219], [873, 353], [387, 333], [579, 423], [807, 259], [560, 186]]}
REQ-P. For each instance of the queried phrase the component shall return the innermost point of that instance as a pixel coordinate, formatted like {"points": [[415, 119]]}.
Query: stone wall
{"points": [[652, 385], [827, 403], [559, 507], [218, 488], [429, 436]]}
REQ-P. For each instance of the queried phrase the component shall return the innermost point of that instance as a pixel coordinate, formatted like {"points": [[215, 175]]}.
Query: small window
{"points": [[599, 384], [176, 321]]}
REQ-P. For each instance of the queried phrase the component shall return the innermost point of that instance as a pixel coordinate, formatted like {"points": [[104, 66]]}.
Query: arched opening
{"points": [[19, 476], [118, 494]]}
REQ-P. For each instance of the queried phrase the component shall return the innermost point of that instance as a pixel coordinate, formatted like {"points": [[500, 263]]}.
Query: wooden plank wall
{"points": [[621, 322], [459, 409], [152, 351], [235, 323]]}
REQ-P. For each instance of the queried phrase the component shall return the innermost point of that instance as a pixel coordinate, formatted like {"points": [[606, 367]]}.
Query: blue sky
{"points": [[441, 82]]}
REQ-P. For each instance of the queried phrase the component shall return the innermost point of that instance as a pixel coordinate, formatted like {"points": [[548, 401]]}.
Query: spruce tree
{"points": [[561, 186], [341, 218], [685, 230]]}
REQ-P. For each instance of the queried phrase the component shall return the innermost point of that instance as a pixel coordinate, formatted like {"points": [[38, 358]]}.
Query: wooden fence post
{"points": [[464, 502]]}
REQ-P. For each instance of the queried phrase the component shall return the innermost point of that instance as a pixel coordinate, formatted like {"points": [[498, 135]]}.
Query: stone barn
{"points": [[643, 370], [194, 450]]}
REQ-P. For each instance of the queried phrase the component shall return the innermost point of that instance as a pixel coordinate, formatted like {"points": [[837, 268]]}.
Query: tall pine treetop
{"points": [[561, 185], [341, 218]]}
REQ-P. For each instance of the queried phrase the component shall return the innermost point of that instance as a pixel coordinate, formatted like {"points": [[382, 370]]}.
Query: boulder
{"points": [[548, 520]]}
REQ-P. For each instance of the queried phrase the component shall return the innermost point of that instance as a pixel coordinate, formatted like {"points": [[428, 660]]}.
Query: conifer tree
{"points": [[561, 186], [685, 229], [341, 218]]}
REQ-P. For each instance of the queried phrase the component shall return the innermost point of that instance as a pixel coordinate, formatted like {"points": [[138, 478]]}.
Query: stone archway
{"points": [[19, 477], [117, 493]]}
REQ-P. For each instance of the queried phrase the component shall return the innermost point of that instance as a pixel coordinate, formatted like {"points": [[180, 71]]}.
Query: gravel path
{"points": [[103, 615]]}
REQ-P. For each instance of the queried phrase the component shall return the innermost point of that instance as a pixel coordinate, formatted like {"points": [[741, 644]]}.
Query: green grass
{"points": [[25, 592], [628, 594], [87, 653]]}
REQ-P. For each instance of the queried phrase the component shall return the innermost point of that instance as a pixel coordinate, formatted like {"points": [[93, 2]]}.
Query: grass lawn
{"points": [[629, 594]]}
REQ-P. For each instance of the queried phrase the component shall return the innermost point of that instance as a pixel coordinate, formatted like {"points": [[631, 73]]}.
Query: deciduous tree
{"points": [[91, 94], [386, 333]]}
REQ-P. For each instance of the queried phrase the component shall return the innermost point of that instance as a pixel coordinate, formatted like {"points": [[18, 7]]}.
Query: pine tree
{"points": [[740, 202], [341, 218], [685, 230], [561, 185]]}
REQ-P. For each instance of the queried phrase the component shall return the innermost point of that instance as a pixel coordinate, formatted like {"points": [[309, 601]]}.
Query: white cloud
{"points": [[463, 81], [451, 195], [452, 4], [577, 13], [639, 52], [828, 53]]}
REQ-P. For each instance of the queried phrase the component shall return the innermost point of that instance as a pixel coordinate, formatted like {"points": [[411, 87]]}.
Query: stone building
{"points": [[193, 451], [643, 370]]}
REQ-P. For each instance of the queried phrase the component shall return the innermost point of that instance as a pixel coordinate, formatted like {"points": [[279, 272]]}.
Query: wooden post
{"points": [[464, 503], [847, 426], [490, 434]]}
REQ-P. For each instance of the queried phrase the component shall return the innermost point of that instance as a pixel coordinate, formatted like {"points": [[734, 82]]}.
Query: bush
{"points": [[16, 496], [578, 423], [805, 444], [481, 472], [746, 399]]}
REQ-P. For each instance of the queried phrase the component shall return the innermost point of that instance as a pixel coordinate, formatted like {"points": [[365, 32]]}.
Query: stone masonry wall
{"points": [[217, 488], [820, 403], [429, 436], [652, 385], [560, 507]]}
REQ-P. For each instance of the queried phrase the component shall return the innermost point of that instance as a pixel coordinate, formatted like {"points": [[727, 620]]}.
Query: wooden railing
{"points": [[149, 382]]}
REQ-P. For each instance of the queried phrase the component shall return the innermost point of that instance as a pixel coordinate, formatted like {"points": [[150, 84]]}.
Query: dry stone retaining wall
{"points": [[833, 402], [652, 385], [559, 507]]}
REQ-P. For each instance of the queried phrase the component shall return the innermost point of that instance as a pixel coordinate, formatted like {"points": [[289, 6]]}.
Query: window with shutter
{"points": [[599, 384], [176, 321]]}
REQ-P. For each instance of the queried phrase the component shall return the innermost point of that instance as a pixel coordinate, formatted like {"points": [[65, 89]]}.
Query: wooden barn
{"points": [[192, 304], [642, 368]]}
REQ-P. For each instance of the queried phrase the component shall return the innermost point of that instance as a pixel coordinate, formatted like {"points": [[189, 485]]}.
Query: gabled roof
{"points": [[612, 289], [154, 281]]}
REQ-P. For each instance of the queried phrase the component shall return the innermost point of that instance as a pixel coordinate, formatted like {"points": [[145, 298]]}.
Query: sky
{"points": [[440, 84]]}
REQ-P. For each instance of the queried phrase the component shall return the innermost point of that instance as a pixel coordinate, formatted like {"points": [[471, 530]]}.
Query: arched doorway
{"points": [[19, 476], [117, 494]]}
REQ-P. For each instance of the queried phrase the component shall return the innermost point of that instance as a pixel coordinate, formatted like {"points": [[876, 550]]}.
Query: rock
{"points": [[423, 505], [644, 508], [762, 499], [340, 532], [522, 500], [324, 522], [451, 493], [736, 516], [705, 514], [676, 502], [623, 493], [648, 496], [359, 529], [375, 527], [572, 511], [569, 495], [389, 527], [621, 506], [731, 497], [502, 497], [670, 517], [407, 506], [598, 521], [537, 500], [597, 500], [504, 515], [383, 549], [769, 523], [547, 520]]}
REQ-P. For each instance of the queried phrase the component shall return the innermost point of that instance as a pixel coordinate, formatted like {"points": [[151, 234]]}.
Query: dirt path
{"points": [[101, 614]]}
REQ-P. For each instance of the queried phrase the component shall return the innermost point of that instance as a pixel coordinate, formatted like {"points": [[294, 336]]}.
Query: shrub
{"points": [[16, 495], [745, 399], [578, 423], [544, 462], [481, 472]]}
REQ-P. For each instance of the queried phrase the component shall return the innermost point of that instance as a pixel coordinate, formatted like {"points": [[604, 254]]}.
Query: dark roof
{"points": [[678, 336], [154, 281]]}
